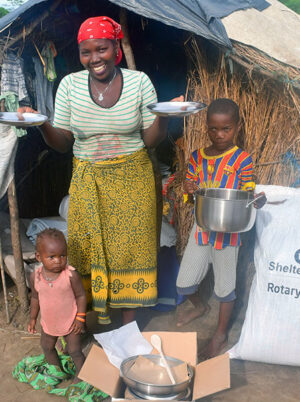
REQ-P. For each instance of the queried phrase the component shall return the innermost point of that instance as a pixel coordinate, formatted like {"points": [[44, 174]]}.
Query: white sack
{"points": [[39, 224], [271, 331], [64, 207]]}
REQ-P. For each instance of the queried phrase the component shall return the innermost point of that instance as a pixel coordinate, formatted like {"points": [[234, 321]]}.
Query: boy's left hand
{"points": [[77, 327], [261, 201], [178, 99]]}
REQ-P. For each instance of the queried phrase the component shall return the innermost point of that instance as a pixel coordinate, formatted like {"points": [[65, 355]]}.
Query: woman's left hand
{"points": [[260, 202]]}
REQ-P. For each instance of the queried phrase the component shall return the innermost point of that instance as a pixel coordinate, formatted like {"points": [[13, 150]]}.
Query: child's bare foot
{"points": [[186, 316], [214, 347]]}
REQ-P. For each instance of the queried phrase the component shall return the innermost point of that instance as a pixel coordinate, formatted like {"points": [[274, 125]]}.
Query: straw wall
{"points": [[271, 123]]}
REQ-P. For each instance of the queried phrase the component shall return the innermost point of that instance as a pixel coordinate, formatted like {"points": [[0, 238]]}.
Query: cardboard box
{"points": [[210, 376]]}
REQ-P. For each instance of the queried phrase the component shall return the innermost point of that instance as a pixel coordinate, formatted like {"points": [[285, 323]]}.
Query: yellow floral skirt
{"points": [[112, 231]]}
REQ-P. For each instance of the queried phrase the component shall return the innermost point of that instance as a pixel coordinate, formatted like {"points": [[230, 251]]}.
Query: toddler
{"points": [[58, 293]]}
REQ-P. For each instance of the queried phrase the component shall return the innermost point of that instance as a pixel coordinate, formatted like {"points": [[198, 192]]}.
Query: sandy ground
{"points": [[250, 381]]}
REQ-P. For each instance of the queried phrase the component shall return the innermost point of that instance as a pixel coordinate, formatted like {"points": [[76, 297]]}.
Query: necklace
{"points": [[49, 280], [100, 94]]}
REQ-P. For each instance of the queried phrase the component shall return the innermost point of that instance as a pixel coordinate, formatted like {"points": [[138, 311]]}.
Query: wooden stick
{"points": [[29, 337], [273, 163], [126, 46], [40, 56], [16, 245], [2, 108], [4, 284]]}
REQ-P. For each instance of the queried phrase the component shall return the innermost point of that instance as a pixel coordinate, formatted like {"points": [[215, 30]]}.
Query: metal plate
{"points": [[176, 109], [30, 119]]}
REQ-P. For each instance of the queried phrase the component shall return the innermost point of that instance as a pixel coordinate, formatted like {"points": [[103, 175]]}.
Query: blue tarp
{"points": [[202, 17]]}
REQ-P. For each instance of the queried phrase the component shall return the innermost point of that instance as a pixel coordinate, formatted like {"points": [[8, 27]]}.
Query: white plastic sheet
{"points": [[8, 149], [123, 342]]}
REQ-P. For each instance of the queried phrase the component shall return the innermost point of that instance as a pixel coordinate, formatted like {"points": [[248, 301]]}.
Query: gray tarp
{"points": [[201, 17]]}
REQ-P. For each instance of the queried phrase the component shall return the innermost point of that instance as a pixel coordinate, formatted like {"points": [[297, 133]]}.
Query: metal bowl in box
{"points": [[182, 396], [224, 210], [154, 389]]}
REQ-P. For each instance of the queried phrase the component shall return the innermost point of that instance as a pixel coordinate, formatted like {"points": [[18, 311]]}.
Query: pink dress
{"points": [[57, 302]]}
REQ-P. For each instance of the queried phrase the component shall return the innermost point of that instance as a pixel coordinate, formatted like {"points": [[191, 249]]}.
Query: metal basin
{"points": [[182, 396], [224, 210], [154, 389]]}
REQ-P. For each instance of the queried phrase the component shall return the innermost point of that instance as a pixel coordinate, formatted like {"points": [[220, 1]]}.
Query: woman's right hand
{"points": [[59, 139], [24, 109]]}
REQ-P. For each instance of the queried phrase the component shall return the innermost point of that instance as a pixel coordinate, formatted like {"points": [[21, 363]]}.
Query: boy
{"points": [[221, 165]]}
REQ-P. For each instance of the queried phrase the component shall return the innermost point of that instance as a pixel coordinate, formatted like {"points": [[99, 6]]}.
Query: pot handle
{"points": [[254, 199]]}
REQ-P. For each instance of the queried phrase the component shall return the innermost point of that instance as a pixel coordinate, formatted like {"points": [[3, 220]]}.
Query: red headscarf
{"points": [[101, 28]]}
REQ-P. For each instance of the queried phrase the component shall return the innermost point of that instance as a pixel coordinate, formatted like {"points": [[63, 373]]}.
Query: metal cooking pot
{"points": [[224, 210], [154, 389]]}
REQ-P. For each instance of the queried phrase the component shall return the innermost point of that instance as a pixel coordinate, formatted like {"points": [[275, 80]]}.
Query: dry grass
{"points": [[270, 117]]}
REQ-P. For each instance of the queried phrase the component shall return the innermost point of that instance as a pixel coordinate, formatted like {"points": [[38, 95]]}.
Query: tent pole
{"points": [[128, 53], [16, 245]]}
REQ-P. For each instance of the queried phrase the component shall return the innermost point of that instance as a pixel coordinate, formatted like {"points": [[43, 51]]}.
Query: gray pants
{"points": [[195, 264]]}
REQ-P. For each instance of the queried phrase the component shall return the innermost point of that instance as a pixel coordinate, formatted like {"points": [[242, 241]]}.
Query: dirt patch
{"points": [[250, 381]]}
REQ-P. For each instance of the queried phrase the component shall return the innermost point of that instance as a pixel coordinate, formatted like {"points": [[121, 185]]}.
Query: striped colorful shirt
{"points": [[232, 169], [104, 133]]}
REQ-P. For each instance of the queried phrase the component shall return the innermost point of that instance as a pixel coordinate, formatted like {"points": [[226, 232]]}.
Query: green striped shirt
{"points": [[103, 133]]}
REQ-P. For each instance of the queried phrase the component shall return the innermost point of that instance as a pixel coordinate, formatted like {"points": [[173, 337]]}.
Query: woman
{"points": [[102, 112]]}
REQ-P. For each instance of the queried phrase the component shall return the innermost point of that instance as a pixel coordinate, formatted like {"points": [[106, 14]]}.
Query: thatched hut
{"points": [[198, 59], [183, 50]]}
